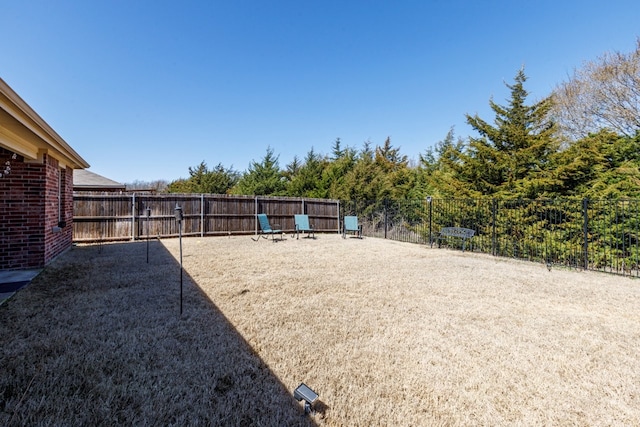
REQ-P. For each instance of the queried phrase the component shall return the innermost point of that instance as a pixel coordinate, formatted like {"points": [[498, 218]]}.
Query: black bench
{"points": [[462, 233]]}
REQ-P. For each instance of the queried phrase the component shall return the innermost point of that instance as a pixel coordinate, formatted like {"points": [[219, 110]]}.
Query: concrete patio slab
{"points": [[11, 281]]}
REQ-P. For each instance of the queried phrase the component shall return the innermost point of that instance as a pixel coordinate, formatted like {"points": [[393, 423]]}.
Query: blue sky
{"points": [[144, 89]]}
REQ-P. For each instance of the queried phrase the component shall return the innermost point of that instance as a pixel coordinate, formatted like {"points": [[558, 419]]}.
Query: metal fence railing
{"points": [[597, 235]]}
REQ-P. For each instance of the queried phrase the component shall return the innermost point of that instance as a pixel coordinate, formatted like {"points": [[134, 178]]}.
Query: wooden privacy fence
{"points": [[104, 217]]}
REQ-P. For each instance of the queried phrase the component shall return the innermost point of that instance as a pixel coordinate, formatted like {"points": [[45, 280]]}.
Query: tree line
{"points": [[581, 140]]}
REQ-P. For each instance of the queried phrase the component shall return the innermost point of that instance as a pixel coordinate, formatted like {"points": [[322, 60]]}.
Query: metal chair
{"points": [[302, 225], [266, 229], [350, 225]]}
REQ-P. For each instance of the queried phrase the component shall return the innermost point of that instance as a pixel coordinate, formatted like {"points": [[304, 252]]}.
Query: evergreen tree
{"points": [[601, 165], [292, 169], [204, 181], [262, 178], [336, 171], [337, 151], [434, 172], [220, 180], [394, 170], [510, 158], [179, 186], [365, 180], [389, 158], [307, 182]]}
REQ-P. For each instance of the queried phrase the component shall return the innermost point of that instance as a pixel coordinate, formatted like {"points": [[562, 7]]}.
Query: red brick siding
{"points": [[58, 223], [29, 213]]}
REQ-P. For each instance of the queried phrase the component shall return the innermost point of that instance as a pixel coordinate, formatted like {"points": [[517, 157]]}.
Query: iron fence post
{"points": [[494, 208], [385, 218], [585, 232], [636, 233]]}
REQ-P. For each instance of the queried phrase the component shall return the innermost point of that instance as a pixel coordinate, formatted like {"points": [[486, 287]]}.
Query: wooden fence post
{"points": [[255, 213], [133, 216]]}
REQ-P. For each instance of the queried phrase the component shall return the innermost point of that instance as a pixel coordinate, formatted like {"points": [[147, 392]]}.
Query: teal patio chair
{"points": [[266, 229], [350, 225], [302, 225]]}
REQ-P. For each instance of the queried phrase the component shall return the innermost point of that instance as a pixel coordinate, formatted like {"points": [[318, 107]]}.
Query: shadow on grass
{"points": [[97, 339]]}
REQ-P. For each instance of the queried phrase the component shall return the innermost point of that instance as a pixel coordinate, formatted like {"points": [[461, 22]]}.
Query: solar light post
{"points": [[148, 212], [430, 210], [179, 219]]}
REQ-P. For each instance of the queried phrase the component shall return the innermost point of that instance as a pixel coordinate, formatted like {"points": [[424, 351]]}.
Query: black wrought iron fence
{"points": [[588, 234]]}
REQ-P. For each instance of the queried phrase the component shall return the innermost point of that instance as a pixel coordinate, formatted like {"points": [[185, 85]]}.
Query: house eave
{"points": [[24, 132]]}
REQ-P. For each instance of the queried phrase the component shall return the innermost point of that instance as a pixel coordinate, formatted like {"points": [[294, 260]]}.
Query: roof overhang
{"points": [[25, 133], [86, 180]]}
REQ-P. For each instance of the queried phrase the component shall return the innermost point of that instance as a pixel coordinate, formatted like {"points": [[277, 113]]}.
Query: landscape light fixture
{"points": [[303, 392], [148, 212], [179, 219]]}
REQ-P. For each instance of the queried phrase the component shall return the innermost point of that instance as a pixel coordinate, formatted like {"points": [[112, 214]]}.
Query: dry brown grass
{"points": [[387, 333]]}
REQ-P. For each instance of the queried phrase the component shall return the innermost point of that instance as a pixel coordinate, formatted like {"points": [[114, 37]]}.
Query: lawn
{"points": [[386, 333]]}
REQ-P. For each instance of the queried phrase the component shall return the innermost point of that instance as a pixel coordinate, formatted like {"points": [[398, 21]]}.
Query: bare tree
{"points": [[157, 186], [604, 93]]}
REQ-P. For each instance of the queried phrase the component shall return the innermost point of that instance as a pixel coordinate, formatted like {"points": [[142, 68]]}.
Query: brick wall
{"points": [[58, 210], [29, 233]]}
